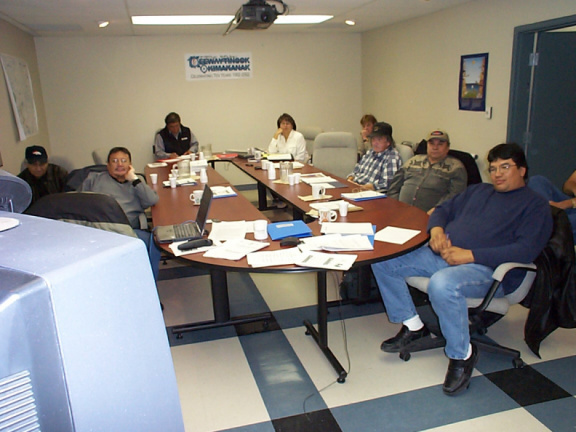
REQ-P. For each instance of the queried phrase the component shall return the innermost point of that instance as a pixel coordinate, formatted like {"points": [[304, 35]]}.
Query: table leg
{"points": [[221, 308], [262, 203], [321, 335]]}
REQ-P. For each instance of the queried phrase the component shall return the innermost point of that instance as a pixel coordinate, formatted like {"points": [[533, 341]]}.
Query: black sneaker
{"points": [[403, 338]]}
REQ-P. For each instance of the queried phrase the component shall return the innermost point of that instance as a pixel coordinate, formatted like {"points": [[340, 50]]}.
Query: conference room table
{"points": [[174, 206]]}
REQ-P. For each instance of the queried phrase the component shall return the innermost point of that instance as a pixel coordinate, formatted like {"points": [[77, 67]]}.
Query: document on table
{"points": [[274, 258], [222, 191], [347, 228], [395, 235], [327, 261], [337, 243], [317, 180], [235, 249], [229, 230]]}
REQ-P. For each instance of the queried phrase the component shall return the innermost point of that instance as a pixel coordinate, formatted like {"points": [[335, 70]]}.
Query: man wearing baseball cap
{"points": [[377, 167], [44, 178], [427, 180]]}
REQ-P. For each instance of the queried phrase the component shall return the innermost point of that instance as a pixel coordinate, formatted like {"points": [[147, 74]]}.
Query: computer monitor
{"points": [[15, 193], [83, 345]]}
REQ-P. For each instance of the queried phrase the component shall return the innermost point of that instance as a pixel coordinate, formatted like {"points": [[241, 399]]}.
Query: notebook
{"points": [[188, 230]]}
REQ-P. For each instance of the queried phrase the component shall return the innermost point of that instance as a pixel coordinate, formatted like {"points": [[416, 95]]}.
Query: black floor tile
{"points": [[527, 386], [317, 421]]}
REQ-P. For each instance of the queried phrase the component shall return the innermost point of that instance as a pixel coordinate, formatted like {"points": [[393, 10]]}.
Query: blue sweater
{"points": [[497, 226]]}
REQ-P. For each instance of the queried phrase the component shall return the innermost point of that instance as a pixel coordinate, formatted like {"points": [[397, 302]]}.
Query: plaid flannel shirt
{"points": [[377, 168]]}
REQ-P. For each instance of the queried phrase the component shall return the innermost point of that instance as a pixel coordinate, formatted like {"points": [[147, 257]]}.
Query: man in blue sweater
{"points": [[470, 235]]}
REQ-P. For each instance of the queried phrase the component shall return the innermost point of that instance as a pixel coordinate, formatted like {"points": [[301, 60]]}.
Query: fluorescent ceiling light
{"points": [[182, 19], [350, 22], [302, 19], [103, 24]]}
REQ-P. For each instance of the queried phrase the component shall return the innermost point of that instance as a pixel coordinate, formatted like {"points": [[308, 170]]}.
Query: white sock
{"points": [[469, 352], [414, 323]]}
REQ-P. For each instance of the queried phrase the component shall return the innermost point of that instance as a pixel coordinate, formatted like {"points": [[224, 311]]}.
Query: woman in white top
{"points": [[288, 140]]}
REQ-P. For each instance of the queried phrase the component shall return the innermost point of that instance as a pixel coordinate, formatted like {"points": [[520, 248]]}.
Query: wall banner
{"points": [[218, 66]]}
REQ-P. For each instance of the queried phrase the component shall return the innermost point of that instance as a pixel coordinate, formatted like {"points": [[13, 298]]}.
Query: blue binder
{"points": [[296, 228]]}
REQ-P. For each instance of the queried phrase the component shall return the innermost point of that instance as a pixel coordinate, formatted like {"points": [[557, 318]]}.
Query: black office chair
{"points": [[84, 208], [76, 177]]}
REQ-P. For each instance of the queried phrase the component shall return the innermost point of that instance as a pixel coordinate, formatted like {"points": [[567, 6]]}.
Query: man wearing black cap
{"points": [[44, 178], [377, 167]]}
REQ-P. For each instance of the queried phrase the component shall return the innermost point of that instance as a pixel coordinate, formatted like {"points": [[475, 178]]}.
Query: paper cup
{"points": [[343, 208], [173, 182], [154, 178], [260, 229]]}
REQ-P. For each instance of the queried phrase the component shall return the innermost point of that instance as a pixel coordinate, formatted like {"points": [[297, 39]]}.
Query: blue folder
{"points": [[296, 228]]}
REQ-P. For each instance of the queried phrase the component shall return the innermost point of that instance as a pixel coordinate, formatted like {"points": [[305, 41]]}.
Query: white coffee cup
{"points": [[154, 178], [203, 176], [264, 164], [173, 182], [296, 178], [291, 179], [260, 229], [326, 215], [318, 191], [257, 155], [343, 208], [196, 196]]}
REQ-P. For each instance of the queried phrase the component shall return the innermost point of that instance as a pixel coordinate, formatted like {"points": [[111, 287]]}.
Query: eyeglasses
{"points": [[504, 168], [115, 160]]}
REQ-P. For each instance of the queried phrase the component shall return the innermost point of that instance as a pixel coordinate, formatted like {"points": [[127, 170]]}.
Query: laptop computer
{"points": [[187, 230]]}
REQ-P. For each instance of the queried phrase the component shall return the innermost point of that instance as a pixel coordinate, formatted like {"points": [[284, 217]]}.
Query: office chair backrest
{"points": [[405, 151], [84, 208], [310, 133], [467, 159], [335, 152]]}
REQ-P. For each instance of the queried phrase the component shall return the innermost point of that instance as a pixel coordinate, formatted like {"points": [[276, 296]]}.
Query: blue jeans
{"points": [[153, 250], [544, 187], [448, 289]]}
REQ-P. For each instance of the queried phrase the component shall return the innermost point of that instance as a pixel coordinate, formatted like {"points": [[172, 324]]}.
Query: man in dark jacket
{"points": [[175, 139], [44, 178]]}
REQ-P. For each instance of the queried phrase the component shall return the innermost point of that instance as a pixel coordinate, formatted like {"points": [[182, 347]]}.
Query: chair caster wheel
{"points": [[307, 333], [341, 380], [405, 356], [518, 363]]}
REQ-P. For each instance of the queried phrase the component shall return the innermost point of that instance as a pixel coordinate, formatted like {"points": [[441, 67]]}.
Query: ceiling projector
{"points": [[255, 15]]}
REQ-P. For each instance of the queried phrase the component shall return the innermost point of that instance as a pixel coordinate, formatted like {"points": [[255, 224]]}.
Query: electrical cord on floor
{"points": [[344, 339]]}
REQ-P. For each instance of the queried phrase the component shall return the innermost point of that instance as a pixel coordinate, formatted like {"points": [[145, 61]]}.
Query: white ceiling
{"points": [[80, 17]]}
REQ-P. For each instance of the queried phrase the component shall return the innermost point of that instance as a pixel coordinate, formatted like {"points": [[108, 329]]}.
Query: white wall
{"points": [[104, 92], [410, 71], [17, 43]]}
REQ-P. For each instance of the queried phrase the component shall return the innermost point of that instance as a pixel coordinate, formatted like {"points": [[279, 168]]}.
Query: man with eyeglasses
{"points": [[425, 181], [470, 235], [133, 195]]}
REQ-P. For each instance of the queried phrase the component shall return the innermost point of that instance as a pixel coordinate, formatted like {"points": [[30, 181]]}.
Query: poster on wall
{"points": [[19, 86], [473, 76], [218, 66]]}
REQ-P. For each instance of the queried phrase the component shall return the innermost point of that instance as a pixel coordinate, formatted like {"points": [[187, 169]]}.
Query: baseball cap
{"points": [[381, 129], [438, 134], [35, 154]]}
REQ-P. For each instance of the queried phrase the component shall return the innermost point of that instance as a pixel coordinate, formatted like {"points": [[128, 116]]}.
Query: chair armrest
{"points": [[504, 268]]}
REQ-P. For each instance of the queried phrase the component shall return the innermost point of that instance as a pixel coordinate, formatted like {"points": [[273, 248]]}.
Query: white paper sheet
{"points": [[347, 228], [235, 249], [274, 258], [327, 261], [229, 230], [395, 235]]}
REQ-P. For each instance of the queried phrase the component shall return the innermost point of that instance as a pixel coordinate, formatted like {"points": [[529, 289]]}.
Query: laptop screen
{"points": [[205, 202]]}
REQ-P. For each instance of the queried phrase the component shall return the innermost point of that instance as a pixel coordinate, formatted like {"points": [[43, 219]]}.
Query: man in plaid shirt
{"points": [[377, 167]]}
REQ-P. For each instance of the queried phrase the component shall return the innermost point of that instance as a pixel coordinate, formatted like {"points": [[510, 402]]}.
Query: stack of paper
{"points": [[223, 191], [274, 258], [365, 228], [235, 249], [363, 196], [337, 242], [229, 230]]}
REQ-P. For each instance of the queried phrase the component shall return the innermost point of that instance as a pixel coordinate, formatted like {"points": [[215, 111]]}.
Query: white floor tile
{"points": [[217, 389], [373, 373]]}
